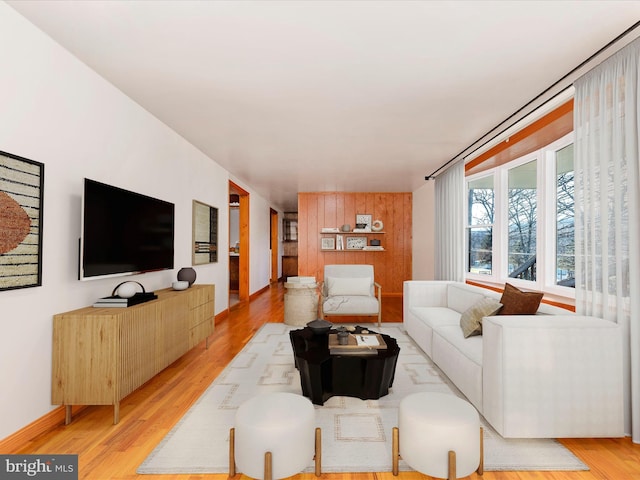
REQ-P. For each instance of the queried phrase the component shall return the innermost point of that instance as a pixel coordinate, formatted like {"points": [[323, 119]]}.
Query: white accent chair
{"points": [[350, 290]]}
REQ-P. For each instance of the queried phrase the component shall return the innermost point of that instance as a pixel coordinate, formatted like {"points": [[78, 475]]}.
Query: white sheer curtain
{"points": [[450, 208], [606, 125]]}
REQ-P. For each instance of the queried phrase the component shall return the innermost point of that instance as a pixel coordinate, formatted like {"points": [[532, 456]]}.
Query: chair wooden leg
{"points": [[318, 456], [395, 450], [232, 452], [268, 467], [480, 470], [452, 465]]}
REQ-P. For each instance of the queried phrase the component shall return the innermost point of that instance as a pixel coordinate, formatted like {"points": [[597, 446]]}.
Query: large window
{"points": [[480, 226], [565, 227], [522, 201], [520, 221]]}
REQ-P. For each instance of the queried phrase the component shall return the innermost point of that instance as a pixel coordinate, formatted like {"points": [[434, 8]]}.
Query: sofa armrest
{"points": [[552, 376]]}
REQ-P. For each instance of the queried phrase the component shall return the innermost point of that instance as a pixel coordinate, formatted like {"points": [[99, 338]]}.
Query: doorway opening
{"points": [[238, 244]]}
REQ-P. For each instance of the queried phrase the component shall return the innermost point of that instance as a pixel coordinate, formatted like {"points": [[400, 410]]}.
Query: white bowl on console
{"points": [[180, 285]]}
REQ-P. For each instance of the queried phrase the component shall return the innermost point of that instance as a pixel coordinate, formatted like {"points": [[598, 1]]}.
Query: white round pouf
{"points": [[281, 423], [432, 424]]}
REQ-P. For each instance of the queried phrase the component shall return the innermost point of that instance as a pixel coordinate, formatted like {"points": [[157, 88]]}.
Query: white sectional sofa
{"points": [[550, 375]]}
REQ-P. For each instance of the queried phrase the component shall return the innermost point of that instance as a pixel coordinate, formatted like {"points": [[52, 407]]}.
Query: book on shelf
{"points": [[112, 299], [373, 247], [110, 305], [119, 302]]}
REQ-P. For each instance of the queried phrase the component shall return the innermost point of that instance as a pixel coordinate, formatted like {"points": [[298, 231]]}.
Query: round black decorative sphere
{"points": [[188, 274]]}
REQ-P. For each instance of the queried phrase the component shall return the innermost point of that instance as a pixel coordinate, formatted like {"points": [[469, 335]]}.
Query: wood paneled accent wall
{"points": [[334, 209]]}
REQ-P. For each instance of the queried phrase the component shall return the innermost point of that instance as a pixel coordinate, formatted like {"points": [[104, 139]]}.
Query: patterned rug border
{"points": [[172, 456]]}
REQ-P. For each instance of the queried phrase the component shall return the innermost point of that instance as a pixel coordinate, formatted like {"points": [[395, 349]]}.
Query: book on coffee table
{"points": [[358, 344]]}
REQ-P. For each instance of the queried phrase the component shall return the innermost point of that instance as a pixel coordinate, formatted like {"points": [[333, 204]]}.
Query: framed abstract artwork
{"points": [[205, 233], [21, 202]]}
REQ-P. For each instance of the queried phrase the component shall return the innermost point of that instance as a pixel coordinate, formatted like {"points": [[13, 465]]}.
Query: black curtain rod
{"points": [[612, 42]]}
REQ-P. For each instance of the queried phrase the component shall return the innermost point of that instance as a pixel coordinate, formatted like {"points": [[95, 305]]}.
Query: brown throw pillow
{"points": [[471, 319], [517, 302]]}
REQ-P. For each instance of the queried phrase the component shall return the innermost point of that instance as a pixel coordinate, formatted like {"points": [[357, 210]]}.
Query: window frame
{"points": [[546, 230]]}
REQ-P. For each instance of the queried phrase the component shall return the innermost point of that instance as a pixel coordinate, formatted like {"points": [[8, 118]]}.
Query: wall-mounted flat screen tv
{"points": [[124, 232]]}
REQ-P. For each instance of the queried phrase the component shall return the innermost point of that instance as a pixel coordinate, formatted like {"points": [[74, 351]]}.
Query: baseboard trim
{"points": [[18, 440]]}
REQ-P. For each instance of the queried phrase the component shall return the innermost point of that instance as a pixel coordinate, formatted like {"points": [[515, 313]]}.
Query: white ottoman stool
{"points": [[438, 434], [274, 437]]}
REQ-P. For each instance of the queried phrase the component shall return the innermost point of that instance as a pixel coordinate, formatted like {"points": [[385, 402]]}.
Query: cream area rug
{"points": [[356, 434]]}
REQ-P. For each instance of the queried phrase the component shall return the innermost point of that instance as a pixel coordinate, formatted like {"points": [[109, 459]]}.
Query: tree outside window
{"points": [[480, 225], [522, 221]]}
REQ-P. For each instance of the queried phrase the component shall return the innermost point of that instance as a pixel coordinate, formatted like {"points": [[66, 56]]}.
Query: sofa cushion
{"points": [[348, 286], [470, 348], [437, 316], [517, 302], [462, 297], [351, 305], [471, 319]]}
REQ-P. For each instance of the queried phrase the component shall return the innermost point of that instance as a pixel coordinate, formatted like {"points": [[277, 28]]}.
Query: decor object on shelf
{"points": [[328, 243], [350, 290], [374, 242], [21, 222], [346, 227], [364, 219], [377, 226], [205, 233], [126, 289], [180, 285], [188, 274], [125, 295]]}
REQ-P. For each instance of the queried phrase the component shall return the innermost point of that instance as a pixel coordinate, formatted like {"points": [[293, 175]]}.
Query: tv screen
{"points": [[124, 232]]}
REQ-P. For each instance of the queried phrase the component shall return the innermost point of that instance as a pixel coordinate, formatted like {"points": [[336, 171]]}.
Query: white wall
{"points": [[57, 111], [424, 231]]}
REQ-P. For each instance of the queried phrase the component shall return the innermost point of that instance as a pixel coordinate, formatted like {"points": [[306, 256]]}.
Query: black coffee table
{"points": [[323, 375]]}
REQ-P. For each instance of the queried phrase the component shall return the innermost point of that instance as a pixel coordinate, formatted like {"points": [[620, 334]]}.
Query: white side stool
{"points": [[274, 437], [438, 434]]}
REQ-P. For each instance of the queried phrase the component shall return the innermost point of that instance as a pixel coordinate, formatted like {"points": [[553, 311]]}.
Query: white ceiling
{"points": [[331, 95]]}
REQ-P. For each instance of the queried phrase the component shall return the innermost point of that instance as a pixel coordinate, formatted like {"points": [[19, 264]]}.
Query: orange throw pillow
{"points": [[517, 302]]}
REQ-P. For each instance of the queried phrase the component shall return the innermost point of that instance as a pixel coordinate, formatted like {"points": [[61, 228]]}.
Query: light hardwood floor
{"points": [[113, 452]]}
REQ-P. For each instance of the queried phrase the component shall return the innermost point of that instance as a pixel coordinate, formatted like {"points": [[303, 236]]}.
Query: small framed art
{"points": [[365, 220], [356, 243], [328, 243]]}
